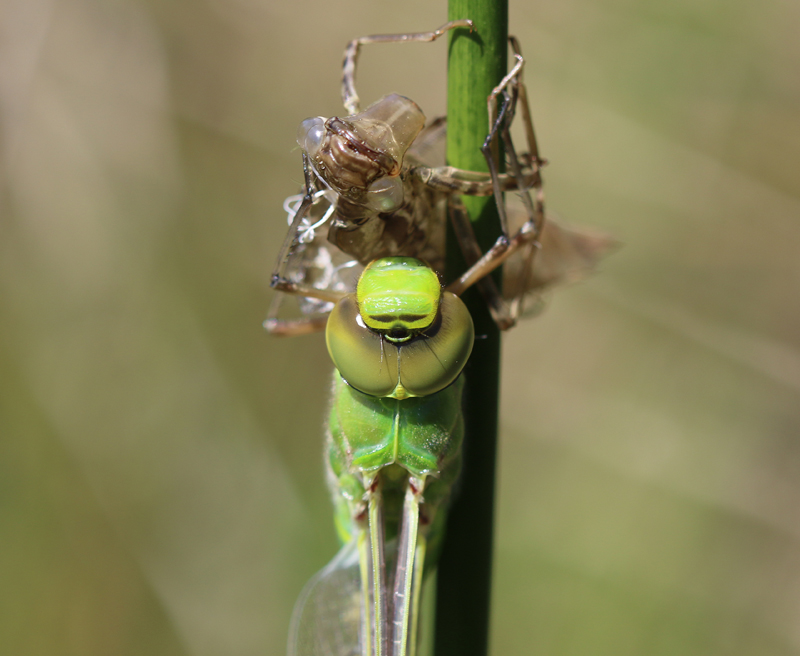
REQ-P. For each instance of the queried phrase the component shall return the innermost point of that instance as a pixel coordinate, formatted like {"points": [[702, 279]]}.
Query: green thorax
{"points": [[419, 434], [395, 439]]}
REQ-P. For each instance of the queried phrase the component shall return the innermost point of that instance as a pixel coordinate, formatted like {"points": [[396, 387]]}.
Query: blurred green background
{"points": [[160, 472]]}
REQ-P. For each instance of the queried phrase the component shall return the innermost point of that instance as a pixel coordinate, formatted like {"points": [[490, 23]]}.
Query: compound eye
{"points": [[311, 134], [433, 361], [362, 357], [385, 194]]}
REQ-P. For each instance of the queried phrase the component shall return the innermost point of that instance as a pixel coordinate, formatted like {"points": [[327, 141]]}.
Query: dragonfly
{"points": [[393, 453], [372, 218], [371, 191]]}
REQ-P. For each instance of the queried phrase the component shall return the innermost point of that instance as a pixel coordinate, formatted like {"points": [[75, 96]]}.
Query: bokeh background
{"points": [[160, 473]]}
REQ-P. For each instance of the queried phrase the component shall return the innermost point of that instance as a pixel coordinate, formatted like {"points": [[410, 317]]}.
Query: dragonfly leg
{"points": [[349, 96], [534, 208], [292, 327], [300, 242], [292, 236], [533, 227], [416, 595], [490, 148], [303, 326], [299, 289], [472, 183], [378, 566], [525, 172], [402, 600], [365, 570], [500, 122], [504, 247], [482, 264], [279, 280], [458, 181], [531, 158], [504, 314]]}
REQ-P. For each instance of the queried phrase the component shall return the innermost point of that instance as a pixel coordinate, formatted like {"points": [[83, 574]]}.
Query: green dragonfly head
{"points": [[399, 335], [398, 297]]}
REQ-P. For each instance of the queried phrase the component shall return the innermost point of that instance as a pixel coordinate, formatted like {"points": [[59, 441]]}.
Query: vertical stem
{"points": [[477, 63]]}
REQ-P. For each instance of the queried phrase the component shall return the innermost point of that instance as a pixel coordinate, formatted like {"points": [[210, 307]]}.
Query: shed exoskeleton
{"points": [[370, 192]]}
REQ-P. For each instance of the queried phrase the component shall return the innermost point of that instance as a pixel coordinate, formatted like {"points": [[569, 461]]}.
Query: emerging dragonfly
{"points": [[400, 341], [369, 193], [393, 452]]}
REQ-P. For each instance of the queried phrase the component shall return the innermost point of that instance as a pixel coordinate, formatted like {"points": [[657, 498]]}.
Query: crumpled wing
{"points": [[327, 619], [567, 254]]}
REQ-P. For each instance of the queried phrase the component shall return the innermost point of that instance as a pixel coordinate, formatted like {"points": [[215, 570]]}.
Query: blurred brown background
{"points": [[160, 479]]}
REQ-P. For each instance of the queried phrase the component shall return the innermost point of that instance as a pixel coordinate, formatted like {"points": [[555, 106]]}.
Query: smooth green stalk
{"points": [[477, 63]]}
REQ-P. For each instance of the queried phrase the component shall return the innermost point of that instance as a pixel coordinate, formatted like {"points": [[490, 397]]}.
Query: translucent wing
{"points": [[567, 254], [428, 148], [327, 619]]}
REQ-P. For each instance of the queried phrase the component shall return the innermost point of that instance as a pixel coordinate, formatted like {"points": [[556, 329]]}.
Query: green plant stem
{"points": [[477, 63]]}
